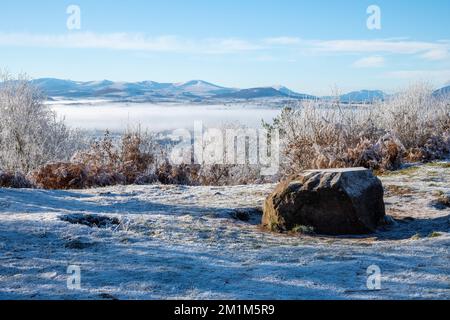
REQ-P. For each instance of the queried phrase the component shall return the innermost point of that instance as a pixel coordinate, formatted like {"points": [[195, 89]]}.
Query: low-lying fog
{"points": [[157, 117]]}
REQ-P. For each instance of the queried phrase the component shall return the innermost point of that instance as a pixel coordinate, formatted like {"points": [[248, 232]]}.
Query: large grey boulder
{"points": [[332, 201]]}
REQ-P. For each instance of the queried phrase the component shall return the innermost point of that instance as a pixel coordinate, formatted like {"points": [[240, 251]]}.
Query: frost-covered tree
{"points": [[30, 132]]}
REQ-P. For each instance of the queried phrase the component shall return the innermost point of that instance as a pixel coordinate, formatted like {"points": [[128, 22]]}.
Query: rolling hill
{"points": [[363, 96]]}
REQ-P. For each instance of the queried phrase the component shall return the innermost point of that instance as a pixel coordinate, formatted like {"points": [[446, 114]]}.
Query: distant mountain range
{"points": [[364, 96], [193, 91], [148, 90]]}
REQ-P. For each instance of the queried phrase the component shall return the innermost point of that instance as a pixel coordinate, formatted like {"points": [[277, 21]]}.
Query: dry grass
{"points": [[444, 165], [398, 190]]}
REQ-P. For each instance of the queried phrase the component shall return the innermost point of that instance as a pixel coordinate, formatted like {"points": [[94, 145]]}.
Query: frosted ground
{"points": [[178, 242]]}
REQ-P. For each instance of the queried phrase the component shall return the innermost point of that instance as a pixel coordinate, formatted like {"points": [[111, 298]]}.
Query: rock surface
{"points": [[332, 201]]}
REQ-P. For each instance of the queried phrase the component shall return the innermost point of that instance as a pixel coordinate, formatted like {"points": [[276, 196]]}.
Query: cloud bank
{"points": [[438, 50]]}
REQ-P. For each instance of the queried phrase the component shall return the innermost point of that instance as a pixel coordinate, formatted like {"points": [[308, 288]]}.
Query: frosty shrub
{"points": [[224, 172], [385, 154], [204, 171], [30, 133], [183, 174], [412, 125], [60, 176], [208, 174], [414, 115], [106, 162], [13, 180]]}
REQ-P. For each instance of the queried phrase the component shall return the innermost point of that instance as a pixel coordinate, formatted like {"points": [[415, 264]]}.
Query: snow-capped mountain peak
{"points": [[191, 90]]}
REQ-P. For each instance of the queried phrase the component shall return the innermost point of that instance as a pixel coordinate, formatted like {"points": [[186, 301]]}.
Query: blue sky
{"points": [[309, 46]]}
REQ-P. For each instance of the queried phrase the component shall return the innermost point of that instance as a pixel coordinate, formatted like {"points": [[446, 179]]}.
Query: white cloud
{"points": [[127, 41], [114, 41], [436, 54], [286, 41], [231, 45], [265, 58], [140, 42], [386, 46], [369, 62]]}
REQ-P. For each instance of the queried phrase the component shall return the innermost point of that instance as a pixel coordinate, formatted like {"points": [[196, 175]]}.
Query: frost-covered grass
{"points": [[185, 242]]}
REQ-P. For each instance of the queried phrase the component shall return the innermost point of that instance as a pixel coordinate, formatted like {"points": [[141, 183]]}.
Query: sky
{"points": [[313, 47]]}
